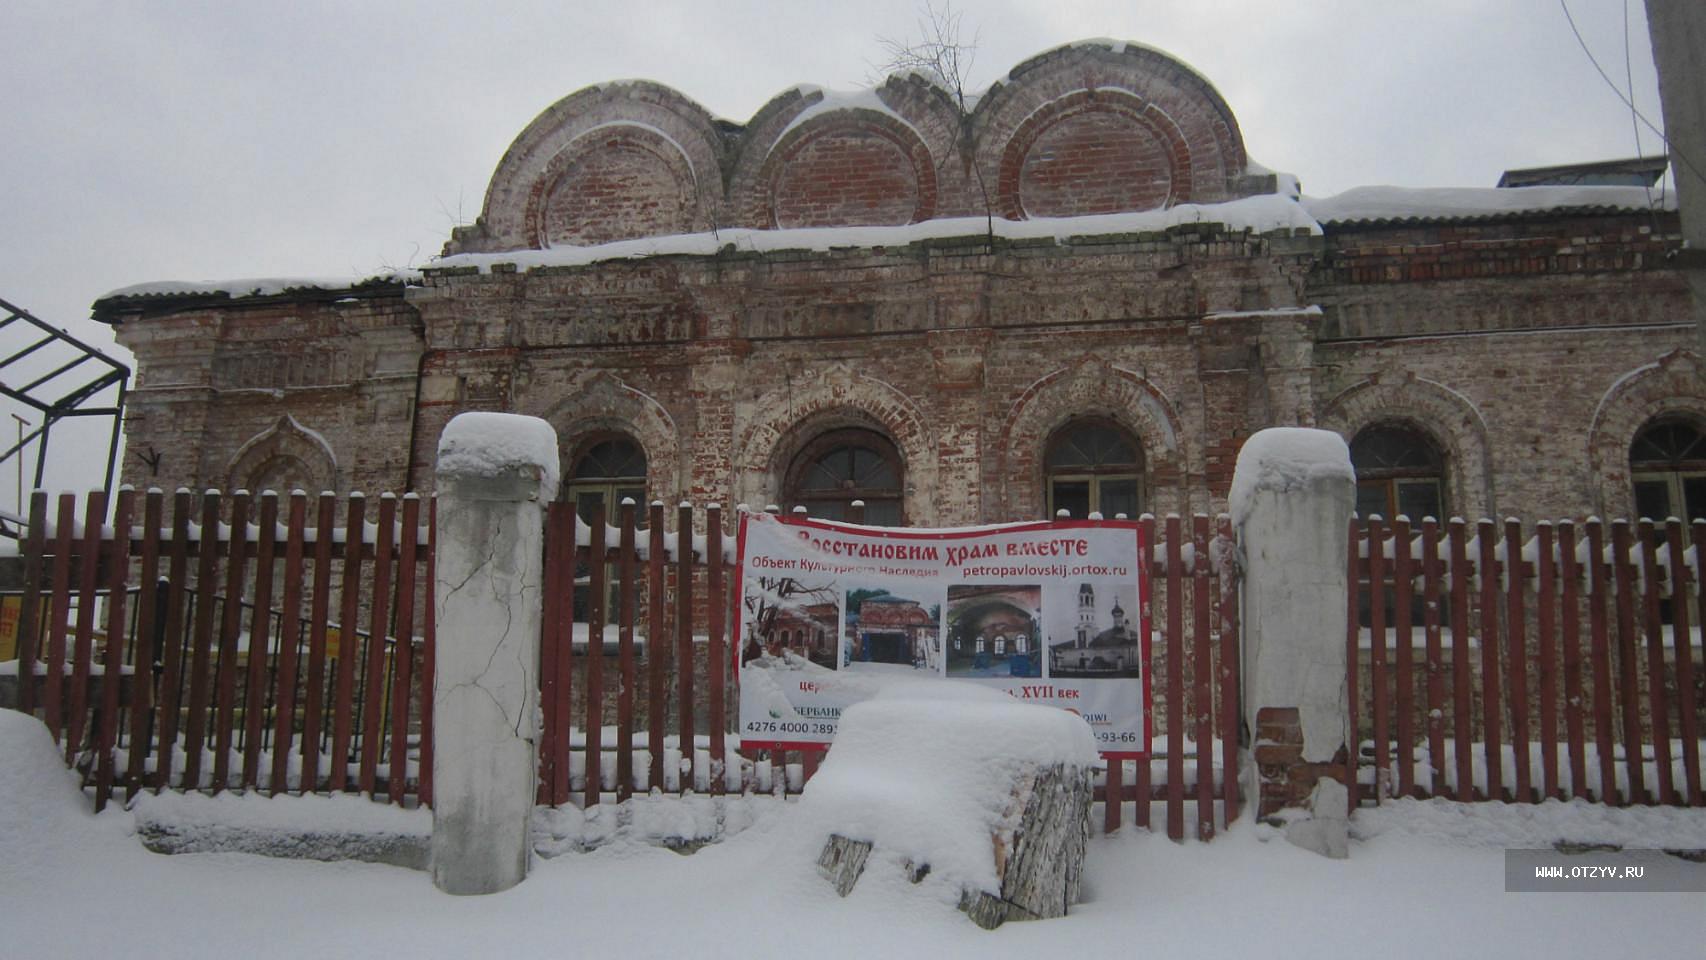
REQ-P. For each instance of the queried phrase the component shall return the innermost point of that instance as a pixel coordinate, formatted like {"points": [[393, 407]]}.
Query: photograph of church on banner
{"points": [[1054, 613]]}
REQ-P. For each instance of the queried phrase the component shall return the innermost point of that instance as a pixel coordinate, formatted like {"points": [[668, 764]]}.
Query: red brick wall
{"points": [[1094, 162], [622, 188], [846, 177]]}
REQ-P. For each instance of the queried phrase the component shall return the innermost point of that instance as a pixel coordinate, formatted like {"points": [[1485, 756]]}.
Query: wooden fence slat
{"points": [[1377, 655], [1140, 812], [319, 615], [593, 728], [1431, 575], [429, 652], [260, 644], [403, 654], [1462, 730], [373, 686], [1546, 638], [289, 642], [112, 665], [657, 643], [1111, 794], [1356, 570], [1405, 653], [1627, 671], [142, 693], [1657, 703], [625, 601], [1229, 651], [1575, 699], [1202, 675], [1599, 585], [1516, 648], [684, 643], [201, 658], [1175, 680], [231, 624], [172, 666], [29, 616], [348, 660], [564, 634], [1687, 705], [558, 589], [82, 658], [1492, 714], [715, 661]]}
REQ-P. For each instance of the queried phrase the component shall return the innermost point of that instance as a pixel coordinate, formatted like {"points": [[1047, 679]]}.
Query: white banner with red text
{"points": [[1054, 613]]}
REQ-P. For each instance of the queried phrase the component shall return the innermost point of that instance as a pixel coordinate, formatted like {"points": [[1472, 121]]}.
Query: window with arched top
{"points": [[602, 474], [1399, 470], [1093, 466], [1667, 463], [842, 466]]}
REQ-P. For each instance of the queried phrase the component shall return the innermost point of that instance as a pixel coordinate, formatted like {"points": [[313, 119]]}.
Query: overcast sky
{"points": [[173, 140]]}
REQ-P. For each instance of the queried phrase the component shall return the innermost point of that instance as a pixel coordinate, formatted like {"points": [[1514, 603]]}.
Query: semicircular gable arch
{"points": [[1439, 412], [848, 167], [1092, 388], [1152, 95], [661, 113]]}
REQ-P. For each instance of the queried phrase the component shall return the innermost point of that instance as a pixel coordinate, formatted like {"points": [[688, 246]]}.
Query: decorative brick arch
{"points": [[849, 167], [1673, 385], [1091, 388], [617, 181], [284, 453], [603, 405], [1094, 151], [632, 135], [1104, 109], [787, 418], [1447, 417]]}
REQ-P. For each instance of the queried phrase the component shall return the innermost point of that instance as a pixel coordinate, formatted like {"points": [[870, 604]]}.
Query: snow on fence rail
{"points": [[635, 658], [635, 664], [227, 667], [1542, 683]]}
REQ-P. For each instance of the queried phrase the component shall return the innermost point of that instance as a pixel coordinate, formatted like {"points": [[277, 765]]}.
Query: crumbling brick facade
{"points": [[1531, 344]]}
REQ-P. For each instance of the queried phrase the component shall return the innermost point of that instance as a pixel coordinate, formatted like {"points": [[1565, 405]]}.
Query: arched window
{"points": [[1399, 471], [603, 473], [841, 466], [1667, 463], [1093, 466]]}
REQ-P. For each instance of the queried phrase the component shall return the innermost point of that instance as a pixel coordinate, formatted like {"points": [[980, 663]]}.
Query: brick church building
{"points": [[1082, 294]]}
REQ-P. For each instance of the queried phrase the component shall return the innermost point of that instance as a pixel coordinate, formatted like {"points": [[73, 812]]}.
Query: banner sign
{"points": [[1054, 613]]}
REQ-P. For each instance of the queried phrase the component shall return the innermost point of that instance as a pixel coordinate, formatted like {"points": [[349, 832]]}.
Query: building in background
{"points": [[1084, 296]]}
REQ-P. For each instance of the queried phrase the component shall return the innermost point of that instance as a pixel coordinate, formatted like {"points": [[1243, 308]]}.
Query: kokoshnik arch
{"points": [[1084, 295]]}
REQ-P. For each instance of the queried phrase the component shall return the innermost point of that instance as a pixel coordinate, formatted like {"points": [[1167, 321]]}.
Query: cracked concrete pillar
{"points": [[496, 474], [1292, 496]]}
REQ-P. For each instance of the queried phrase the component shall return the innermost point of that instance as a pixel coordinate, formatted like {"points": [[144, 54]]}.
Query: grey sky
{"points": [[206, 141]]}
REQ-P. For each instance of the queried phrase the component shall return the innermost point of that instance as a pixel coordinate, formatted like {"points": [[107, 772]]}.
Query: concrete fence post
{"points": [[1293, 493], [496, 474]]}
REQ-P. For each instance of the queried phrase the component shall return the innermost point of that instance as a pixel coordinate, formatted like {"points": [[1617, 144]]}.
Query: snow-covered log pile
{"points": [[963, 785]]}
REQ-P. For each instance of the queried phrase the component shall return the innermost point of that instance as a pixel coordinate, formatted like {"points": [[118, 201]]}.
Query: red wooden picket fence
{"points": [[1487, 662], [648, 688], [218, 622]]}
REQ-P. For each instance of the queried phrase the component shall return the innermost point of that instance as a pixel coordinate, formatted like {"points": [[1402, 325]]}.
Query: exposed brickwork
{"points": [[624, 186], [852, 176], [1083, 155], [1285, 778]]}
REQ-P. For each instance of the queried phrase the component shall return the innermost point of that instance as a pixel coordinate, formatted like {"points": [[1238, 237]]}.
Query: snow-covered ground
{"points": [[1423, 879]]}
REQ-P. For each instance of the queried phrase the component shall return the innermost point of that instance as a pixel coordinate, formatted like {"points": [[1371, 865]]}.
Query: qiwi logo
{"points": [[1096, 719]]}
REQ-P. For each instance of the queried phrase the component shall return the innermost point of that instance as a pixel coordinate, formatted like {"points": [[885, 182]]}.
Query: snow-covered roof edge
{"points": [[1385, 204]]}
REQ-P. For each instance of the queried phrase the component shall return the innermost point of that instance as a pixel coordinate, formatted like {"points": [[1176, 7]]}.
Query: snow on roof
{"points": [[1262, 214], [255, 286], [1398, 204], [832, 100]]}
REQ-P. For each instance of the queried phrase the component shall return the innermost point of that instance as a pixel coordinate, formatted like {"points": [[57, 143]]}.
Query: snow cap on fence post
{"points": [[1292, 496], [496, 474]]}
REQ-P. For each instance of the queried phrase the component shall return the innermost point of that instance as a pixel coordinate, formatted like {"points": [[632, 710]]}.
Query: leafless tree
{"points": [[943, 53]]}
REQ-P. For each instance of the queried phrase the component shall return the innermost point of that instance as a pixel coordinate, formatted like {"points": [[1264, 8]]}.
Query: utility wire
{"points": [[1674, 152]]}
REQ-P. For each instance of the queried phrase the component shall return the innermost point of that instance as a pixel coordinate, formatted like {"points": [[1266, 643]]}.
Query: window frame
{"points": [[821, 446], [1094, 476]]}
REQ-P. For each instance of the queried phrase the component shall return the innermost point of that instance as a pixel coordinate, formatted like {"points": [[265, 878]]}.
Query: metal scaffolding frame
{"points": [[65, 377]]}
